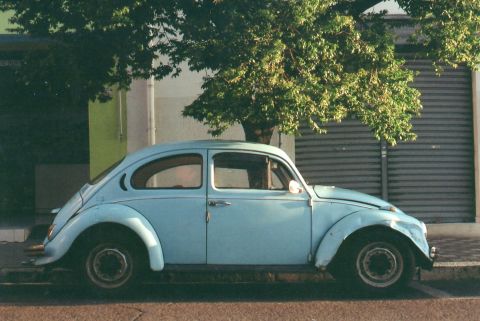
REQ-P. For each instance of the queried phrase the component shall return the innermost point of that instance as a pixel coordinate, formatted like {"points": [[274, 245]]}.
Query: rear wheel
{"points": [[111, 267]]}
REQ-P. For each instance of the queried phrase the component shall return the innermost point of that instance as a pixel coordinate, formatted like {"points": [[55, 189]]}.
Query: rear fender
{"points": [[105, 213]]}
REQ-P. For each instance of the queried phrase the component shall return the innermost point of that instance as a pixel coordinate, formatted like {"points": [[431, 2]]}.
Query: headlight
{"points": [[50, 232]]}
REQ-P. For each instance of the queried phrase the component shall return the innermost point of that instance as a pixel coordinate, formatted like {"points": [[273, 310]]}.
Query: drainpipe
{"points": [[120, 115], [152, 130], [384, 168]]}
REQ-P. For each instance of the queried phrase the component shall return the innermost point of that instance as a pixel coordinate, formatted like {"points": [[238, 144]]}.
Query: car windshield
{"points": [[100, 176]]}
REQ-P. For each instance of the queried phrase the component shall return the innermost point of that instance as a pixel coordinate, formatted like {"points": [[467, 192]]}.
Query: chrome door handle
{"points": [[219, 203]]}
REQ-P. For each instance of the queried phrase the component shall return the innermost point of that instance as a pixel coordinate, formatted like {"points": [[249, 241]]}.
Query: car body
{"points": [[228, 203]]}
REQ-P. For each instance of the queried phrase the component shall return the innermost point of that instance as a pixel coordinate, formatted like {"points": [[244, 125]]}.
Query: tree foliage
{"points": [[271, 63], [92, 45]]}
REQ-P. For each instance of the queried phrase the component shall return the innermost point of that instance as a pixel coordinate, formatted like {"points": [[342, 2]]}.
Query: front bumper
{"points": [[427, 263], [36, 250], [433, 253]]}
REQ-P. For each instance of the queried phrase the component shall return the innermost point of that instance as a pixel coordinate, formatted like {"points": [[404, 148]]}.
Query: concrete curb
{"points": [[452, 271], [460, 230]]}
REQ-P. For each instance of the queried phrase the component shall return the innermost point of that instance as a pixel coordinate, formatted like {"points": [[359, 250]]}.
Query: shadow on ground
{"points": [[250, 292]]}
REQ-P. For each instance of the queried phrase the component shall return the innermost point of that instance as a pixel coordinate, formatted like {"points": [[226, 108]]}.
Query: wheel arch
{"points": [[407, 228], [106, 217], [418, 256], [105, 230]]}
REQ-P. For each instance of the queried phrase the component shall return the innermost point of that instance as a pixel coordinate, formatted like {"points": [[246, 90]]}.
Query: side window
{"points": [[175, 172], [249, 171]]}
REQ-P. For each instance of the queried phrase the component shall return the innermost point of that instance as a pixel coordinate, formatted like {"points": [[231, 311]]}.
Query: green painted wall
{"points": [[4, 24], [108, 132]]}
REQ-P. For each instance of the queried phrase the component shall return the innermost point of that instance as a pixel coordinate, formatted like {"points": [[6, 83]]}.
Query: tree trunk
{"points": [[258, 134]]}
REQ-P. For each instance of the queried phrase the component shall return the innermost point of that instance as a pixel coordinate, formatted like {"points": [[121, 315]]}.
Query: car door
{"points": [[170, 191], [253, 218]]}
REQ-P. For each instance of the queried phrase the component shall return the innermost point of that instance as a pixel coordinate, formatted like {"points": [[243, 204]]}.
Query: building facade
{"points": [[45, 157]]}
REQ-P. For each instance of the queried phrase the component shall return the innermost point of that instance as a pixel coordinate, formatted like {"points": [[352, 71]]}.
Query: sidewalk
{"points": [[459, 254], [459, 247], [459, 259]]}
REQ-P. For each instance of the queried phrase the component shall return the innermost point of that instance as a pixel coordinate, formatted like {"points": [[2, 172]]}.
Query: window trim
{"points": [[271, 171], [169, 188]]}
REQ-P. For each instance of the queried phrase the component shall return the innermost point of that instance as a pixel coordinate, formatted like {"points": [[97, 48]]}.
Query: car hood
{"points": [[332, 192]]}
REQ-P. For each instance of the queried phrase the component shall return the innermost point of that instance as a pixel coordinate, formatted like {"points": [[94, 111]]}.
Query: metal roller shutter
{"points": [[348, 156], [431, 178]]}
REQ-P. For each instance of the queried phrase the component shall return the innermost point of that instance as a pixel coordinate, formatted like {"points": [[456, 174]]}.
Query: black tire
{"points": [[111, 267], [378, 263]]}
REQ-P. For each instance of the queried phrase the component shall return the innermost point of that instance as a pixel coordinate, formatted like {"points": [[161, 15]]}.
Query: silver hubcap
{"points": [[379, 264], [109, 268]]}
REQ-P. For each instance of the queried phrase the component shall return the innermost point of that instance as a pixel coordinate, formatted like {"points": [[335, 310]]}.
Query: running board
{"points": [[239, 268]]}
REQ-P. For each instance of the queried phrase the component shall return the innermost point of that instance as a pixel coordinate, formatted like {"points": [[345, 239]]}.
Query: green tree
{"points": [[270, 63]]}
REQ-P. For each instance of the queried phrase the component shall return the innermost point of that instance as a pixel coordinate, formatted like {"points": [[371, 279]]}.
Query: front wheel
{"points": [[110, 267], [380, 263]]}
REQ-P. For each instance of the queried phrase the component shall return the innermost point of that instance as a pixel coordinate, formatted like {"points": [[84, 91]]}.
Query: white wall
{"points": [[391, 6], [171, 96]]}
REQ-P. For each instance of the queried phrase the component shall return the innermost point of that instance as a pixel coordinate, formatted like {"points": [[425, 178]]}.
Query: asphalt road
{"points": [[318, 301]]}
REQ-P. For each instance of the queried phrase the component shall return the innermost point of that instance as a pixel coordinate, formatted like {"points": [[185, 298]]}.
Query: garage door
{"points": [[431, 178]]}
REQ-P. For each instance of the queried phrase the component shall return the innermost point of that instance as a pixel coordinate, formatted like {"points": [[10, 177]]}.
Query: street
{"points": [[440, 300]]}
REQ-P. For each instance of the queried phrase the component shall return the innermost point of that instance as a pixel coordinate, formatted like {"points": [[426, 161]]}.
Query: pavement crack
{"points": [[139, 311]]}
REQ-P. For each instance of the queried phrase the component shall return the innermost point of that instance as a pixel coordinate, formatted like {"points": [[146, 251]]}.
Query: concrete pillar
{"points": [[476, 139], [137, 116]]}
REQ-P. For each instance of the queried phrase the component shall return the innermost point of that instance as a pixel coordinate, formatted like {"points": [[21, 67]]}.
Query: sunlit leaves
{"points": [[298, 61], [450, 29]]}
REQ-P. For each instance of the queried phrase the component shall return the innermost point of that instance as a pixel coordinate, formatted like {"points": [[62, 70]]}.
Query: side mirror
{"points": [[294, 187]]}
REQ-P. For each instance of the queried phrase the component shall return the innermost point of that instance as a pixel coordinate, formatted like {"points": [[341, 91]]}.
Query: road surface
{"points": [[317, 301]]}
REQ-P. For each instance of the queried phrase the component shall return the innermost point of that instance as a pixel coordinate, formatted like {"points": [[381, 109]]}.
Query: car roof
{"points": [[204, 144]]}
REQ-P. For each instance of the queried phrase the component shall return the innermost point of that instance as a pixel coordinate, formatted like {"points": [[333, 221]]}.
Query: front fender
{"points": [[333, 239], [105, 213]]}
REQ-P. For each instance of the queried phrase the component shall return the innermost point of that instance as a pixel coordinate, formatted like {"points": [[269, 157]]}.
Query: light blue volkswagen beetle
{"points": [[224, 204]]}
